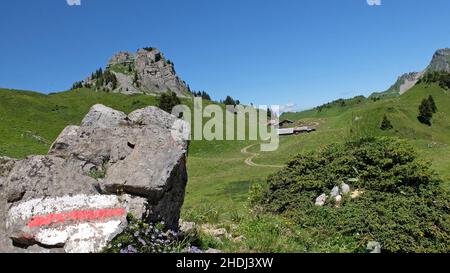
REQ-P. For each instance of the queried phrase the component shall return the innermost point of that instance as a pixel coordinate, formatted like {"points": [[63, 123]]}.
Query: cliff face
{"points": [[440, 61], [147, 71]]}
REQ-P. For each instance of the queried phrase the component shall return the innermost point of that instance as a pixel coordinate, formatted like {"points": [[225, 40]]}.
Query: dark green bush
{"points": [[168, 101], [402, 206]]}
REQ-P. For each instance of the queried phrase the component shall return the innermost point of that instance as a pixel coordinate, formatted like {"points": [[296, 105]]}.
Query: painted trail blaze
{"points": [[75, 216]]}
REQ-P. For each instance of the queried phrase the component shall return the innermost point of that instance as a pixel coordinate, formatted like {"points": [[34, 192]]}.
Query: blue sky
{"points": [[305, 52]]}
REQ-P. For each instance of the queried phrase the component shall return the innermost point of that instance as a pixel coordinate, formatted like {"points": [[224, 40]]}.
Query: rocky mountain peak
{"points": [[440, 61], [145, 72]]}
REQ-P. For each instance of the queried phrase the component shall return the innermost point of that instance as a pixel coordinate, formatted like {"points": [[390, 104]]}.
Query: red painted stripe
{"points": [[78, 215]]}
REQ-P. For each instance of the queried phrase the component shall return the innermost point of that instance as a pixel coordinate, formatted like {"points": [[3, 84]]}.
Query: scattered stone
{"points": [[345, 188], [374, 247], [320, 201], [239, 239], [213, 251], [215, 232], [334, 192], [338, 200], [187, 227]]}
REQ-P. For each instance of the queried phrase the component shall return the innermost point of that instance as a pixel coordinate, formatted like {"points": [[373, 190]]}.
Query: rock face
{"points": [[440, 61], [76, 198], [146, 72]]}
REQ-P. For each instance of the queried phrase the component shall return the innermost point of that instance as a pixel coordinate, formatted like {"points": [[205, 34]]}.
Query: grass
{"points": [[120, 68]]}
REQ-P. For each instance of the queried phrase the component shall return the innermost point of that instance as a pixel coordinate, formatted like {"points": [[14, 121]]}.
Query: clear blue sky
{"points": [[267, 52]]}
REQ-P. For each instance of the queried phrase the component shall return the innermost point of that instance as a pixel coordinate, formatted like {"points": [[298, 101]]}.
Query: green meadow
{"points": [[219, 179]]}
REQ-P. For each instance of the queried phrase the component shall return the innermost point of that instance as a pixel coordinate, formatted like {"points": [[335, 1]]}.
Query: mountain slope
{"points": [[440, 63]]}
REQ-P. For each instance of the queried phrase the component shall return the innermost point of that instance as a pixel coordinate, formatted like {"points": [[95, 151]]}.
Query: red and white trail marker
{"points": [[81, 223]]}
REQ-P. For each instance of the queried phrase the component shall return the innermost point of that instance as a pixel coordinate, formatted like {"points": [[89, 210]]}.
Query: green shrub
{"points": [[168, 101], [402, 205]]}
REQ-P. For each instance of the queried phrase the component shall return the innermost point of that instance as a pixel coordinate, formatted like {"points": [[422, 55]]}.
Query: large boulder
{"points": [[76, 198]]}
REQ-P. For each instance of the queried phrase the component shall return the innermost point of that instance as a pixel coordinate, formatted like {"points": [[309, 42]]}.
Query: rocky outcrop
{"points": [[76, 198], [147, 72], [440, 61]]}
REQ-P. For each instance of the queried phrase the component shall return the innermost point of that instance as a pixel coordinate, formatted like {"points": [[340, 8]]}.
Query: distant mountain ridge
{"points": [[146, 72], [440, 62]]}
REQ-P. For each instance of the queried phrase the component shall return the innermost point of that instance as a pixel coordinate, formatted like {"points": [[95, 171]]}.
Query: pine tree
{"points": [[136, 80], [168, 101], [229, 101], [269, 113], [386, 124], [205, 96], [432, 104], [425, 112]]}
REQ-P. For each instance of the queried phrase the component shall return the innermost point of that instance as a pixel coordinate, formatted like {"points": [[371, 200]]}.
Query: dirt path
{"points": [[249, 160]]}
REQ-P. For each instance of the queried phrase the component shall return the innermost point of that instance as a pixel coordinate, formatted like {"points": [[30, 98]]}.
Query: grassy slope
{"points": [[336, 124], [26, 117]]}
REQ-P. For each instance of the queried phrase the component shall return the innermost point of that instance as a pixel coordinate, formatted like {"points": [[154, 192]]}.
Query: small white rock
{"points": [[345, 188], [334, 192], [320, 201]]}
